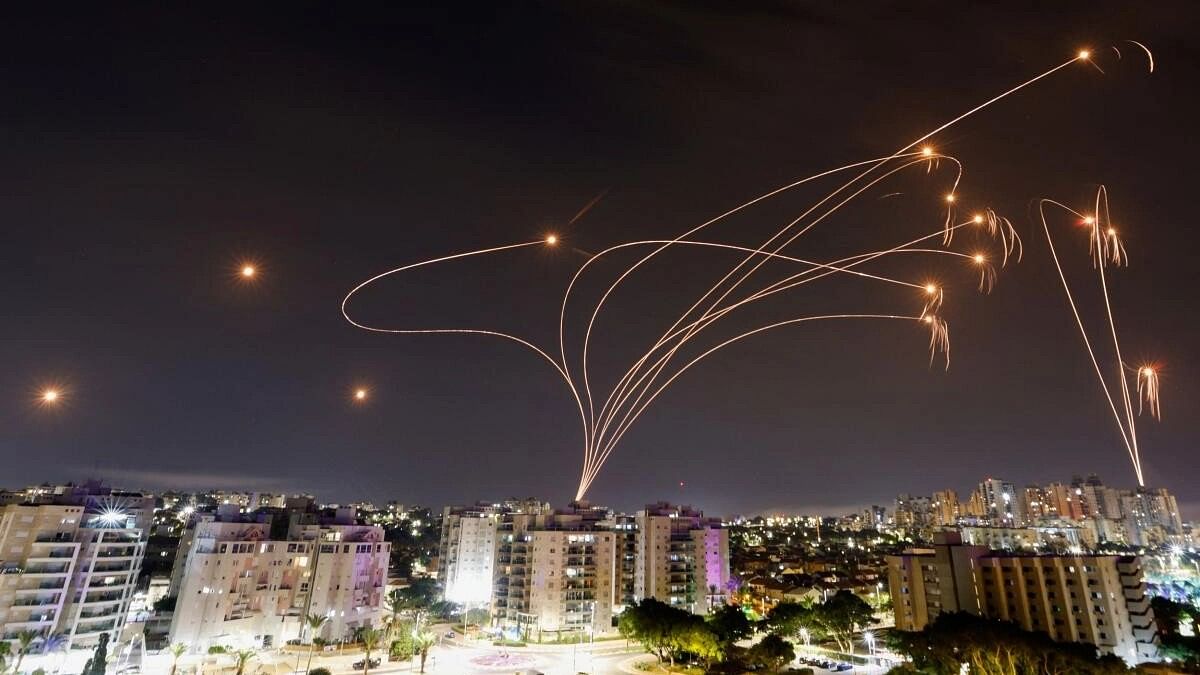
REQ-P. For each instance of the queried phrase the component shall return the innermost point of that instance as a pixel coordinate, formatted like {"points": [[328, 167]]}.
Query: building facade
{"points": [[69, 562], [240, 585], [1093, 599], [682, 557]]}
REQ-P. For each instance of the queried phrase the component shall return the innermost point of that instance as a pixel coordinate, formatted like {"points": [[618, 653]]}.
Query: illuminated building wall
{"points": [[1094, 599], [69, 562]]}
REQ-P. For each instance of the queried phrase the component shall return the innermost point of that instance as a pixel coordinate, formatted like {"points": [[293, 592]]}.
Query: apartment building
{"points": [[1098, 600], [682, 557], [557, 572], [572, 570], [468, 544], [242, 583], [69, 561]]}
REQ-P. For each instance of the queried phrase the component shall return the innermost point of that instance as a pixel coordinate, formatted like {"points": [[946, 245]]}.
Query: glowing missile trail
{"points": [[1105, 249], [653, 372]]}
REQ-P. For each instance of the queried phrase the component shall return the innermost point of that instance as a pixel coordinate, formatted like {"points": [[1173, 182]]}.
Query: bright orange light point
{"points": [[248, 271], [1112, 231], [929, 319], [1147, 371], [552, 239], [950, 198], [978, 218], [1083, 53], [930, 289], [1088, 220], [360, 394], [927, 151], [979, 258], [50, 395]]}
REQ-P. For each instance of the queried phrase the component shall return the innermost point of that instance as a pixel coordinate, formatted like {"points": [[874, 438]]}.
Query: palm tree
{"points": [[314, 623], [422, 641], [177, 650], [243, 657], [370, 639], [25, 640]]}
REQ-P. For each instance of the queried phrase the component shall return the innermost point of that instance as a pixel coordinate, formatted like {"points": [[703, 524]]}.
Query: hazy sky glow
{"points": [[152, 155]]}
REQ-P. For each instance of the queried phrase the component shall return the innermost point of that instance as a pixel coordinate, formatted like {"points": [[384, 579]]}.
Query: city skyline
{"points": [[186, 234]]}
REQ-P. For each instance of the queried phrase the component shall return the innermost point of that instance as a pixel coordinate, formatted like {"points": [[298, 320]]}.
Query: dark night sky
{"points": [[147, 150]]}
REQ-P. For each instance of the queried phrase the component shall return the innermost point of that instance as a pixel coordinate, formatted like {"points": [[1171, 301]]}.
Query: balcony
{"points": [[95, 617], [36, 602], [52, 556], [43, 587]]}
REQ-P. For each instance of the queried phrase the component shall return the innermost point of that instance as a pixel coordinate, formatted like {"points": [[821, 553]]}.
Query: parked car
{"points": [[361, 665]]}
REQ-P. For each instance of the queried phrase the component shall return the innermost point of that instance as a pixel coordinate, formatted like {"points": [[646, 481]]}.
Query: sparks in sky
{"points": [[1105, 249], [607, 414]]}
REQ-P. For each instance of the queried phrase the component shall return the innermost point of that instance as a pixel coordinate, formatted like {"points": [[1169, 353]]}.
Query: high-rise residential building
{"points": [[1000, 503], [467, 552], [946, 508], [468, 544], [573, 569], [1151, 517], [1064, 502], [69, 561], [557, 571], [1035, 504], [248, 579], [913, 513], [1094, 599], [682, 557]]}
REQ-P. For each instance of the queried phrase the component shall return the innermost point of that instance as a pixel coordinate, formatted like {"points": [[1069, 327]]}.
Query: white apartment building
{"points": [[556, 572], [467, 552], [69, 562], [572, 570], [240, 587], [682, 558]]}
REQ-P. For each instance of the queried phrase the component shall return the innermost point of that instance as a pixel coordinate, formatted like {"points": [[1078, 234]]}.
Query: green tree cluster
{"points": [[1182, 649], [837, 619]]}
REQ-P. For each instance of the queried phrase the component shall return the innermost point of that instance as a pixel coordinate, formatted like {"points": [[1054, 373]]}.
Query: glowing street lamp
{"points": [[248, 271], [50, 396]]}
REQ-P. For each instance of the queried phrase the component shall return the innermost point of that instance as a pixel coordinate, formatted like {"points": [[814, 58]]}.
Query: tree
{"points": [[422, 641], [319, 671], [419, 594], [729, 624], [99, 661], [5, 652], [772, 653], [788, 618], [314, 623], [663, 630], [840, 616], [25, 641], [370, 639], [1170, 615], [242, 658], [700, 640], [177, 650]]}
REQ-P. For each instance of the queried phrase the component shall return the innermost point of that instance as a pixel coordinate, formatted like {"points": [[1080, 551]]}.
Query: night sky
{"points": [[148, 151]]}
